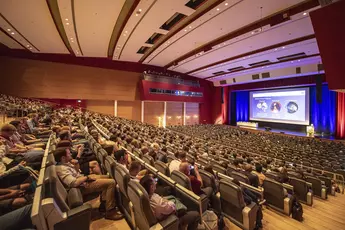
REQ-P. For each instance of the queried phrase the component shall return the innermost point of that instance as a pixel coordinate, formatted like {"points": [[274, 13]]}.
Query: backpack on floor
{"points": [[297, 211]]}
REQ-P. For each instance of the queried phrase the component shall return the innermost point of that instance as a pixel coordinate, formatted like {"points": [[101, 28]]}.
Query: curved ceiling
{"points": [[224, 41]]}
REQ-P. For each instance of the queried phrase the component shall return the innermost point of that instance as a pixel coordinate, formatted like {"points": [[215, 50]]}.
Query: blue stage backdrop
{"points": [[323, 115], [242, 106]]}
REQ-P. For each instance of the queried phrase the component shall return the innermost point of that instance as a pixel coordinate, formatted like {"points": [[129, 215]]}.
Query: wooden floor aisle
{"points": [[324, 215]]}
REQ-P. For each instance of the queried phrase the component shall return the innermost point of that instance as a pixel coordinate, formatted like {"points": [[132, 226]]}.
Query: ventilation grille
{"points": [[234, 80], [255, 76], [176, 18], [153, 38], [236, 69], [143, 49], [194, 4], [265, 75], [293, 56], [280, 18], [266, 62], [222, 82], [218, 73]]}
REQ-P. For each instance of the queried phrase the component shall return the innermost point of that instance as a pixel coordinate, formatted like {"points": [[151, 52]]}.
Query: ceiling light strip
{"points": [[130, 34], [301, 39], [299, 8], [125, 14], [75, 26], [53, 7], [188, 21], [256, 67], [11, 32]]}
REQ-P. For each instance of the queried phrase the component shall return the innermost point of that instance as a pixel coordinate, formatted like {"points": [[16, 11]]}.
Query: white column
{"points": [[115, 108], [184, 113], [142, 111], [165, 115]]}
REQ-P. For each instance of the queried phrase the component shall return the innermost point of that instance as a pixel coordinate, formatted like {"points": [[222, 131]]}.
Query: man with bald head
{"points": [[195, 179]]}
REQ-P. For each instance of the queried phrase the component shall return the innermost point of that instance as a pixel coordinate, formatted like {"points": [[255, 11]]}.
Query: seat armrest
{"points": [[77, 218], [249, 213], [204, 202], [310, 198], [287, 206], [74, 198], [172, 222], [324, 192]]}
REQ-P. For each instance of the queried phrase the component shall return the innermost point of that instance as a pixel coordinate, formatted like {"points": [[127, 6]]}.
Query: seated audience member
{"points": [[253, 179], [175, 164], [250, 197], [121, 156], [19, 139], [17, 220], [94, 133], [71, 178], [162, 207], [283, 176], [258, 172], [14, 197], [237, 165], [135, 171], [29, 154], [195, 181]]}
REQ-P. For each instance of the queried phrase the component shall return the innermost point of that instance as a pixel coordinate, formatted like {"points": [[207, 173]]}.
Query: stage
{"points": [[288, 132]]}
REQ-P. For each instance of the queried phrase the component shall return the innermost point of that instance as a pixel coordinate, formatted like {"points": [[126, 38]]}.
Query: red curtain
{"points": [[225, 105], [341, 115]]}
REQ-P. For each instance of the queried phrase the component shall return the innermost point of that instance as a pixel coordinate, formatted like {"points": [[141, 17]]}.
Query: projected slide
{"points": [[282, 106]]}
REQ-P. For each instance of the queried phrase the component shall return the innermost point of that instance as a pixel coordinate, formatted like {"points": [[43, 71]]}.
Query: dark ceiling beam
{"points": [[270, 20], [55, 13], [201, 10], [301, 39], [7, 33], [126, 12], [272, 63], [75, 27]]}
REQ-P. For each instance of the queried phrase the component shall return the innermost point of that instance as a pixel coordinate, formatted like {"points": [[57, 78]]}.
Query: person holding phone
{"points": [[71, 178]]}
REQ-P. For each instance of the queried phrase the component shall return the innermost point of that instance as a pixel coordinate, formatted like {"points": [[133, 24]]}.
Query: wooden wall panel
{"points": [[192, 113], [153, 110], [174, 113], [129, 110], [101, 106], [40, 79]]}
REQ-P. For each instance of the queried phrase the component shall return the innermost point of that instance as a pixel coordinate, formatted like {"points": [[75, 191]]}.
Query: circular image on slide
{"points": [[262, 106], [292, 107], [275, 107]]}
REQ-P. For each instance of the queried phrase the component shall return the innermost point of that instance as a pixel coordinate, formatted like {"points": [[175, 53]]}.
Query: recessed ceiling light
{"points": [[305, 13], [185, 30], [66, 19], [136, 15], [126, 31], [67, 23], [226, 3], [283, 47], [275, 49], [299, 60], [30, 48], [27, 45], [72, 41], [139, 10], [8, 29], [12, 33], [217, 9], [190, 27]]}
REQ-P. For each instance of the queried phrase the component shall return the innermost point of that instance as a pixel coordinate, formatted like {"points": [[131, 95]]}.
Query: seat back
{"points": [[274, 193], [231, 198], [240, 177], [162, 168], [208, 180], [109, 165], [219, 169], [122, 178], [96, 147], [170, 158], [203, 162], [144, 217], [181, 179], [101, 154], [53, 188], [50, 160], [300, 188], [317, 185], [328, 183], [272, 175], [149, 160]]}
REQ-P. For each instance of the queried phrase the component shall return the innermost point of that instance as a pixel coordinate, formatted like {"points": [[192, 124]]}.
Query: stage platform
{"points": [[288, 132]]}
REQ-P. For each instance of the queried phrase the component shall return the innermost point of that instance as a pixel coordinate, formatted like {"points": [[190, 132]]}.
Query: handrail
{"points": [[335, 175]]}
